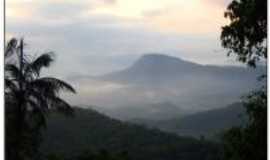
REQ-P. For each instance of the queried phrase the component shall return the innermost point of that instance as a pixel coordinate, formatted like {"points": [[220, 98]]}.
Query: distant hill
{"points": [[90, 130], [154, 69], [207, 123], [158, 79]]}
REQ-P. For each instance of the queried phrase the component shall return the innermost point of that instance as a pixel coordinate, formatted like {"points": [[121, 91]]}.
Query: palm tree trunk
{"points": [[19, 121]]}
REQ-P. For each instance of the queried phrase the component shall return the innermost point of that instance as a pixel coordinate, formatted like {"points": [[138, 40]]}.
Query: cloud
{"points": [[87, 42], [219, 3], [110, 1], [100, 44], [175, 16], [61, 10], [52, 10], [155, 12]]}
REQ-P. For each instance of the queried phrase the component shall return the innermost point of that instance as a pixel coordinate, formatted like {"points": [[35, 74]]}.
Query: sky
{"points": [[94, 37]]}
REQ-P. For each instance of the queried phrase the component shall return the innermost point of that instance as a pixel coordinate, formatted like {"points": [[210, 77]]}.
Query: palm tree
{"points": [[29, 97]]}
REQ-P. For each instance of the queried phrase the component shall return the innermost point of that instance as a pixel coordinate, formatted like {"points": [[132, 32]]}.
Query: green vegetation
{"points": [[92, 131]]}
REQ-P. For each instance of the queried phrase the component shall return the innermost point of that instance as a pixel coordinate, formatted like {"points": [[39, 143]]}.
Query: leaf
{"points": [[42, 61], [10, 48], [53, 84]]}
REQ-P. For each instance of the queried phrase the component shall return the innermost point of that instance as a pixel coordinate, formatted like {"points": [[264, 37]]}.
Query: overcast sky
{"points": [[93, 37]]}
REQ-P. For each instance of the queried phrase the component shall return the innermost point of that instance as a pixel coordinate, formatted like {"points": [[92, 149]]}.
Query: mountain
{"points": [[160, 68], [90, 130], [159, 79], [153, 68], [207, 123]]}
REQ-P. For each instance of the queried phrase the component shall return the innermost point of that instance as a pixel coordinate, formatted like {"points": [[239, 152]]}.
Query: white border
{"points": [[2, 29], [2, 25]]}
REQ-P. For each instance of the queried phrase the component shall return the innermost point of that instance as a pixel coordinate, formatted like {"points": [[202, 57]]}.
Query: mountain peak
{"points": [[159, 57], [154, 67], [162, 61]]}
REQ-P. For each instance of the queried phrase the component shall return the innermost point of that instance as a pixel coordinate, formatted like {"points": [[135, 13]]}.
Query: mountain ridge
{"points": [[156, 65], [150, 60], [90, 130], [205, 123], [158, 78]]}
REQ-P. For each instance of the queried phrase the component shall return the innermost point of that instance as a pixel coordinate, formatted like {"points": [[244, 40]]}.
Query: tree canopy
{"points": [[246, 37], [246, 34], [249, 142]]}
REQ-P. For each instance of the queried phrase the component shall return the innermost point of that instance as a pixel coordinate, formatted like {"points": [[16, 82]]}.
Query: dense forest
{"points": [[92, 131]]}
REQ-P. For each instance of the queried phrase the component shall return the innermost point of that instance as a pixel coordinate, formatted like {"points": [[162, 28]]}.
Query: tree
{"points": [[247, 32], [28, 99], [249, 142], [246, 37]]}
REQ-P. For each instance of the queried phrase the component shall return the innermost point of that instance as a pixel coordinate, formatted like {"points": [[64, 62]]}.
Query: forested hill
{"points": [[90, 130], [207, 123]]}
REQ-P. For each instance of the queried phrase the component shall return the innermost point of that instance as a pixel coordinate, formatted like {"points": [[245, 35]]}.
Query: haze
{"points": [[91, 38]]}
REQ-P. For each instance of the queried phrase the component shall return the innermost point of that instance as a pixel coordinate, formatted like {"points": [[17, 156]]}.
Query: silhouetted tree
{"points": [[246, 37], [249, 142], [28, 98], [247, 32]]}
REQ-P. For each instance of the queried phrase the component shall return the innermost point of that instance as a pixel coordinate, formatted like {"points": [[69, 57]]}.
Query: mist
{"points": [[173, 84]]}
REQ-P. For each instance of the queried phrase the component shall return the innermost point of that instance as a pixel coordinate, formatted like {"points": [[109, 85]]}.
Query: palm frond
{"points": [[37, 112], [13, 71], [42, 61], [35, 105], [46, 101], [61, 106], [10, 84], [38, 98], [11, 101], [10, 48], [52, 84]]}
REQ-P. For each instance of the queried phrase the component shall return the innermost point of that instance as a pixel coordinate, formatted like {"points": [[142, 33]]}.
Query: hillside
{"points": [[207, 123], [90, 130], [160, 68], [161, 79]]}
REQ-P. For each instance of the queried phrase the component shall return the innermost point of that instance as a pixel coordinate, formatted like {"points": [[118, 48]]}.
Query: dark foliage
{"points": [[90, 130], [206, 123], [28, 98], [249, 142], [246, 36], [90, 155], [247, 32]]}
